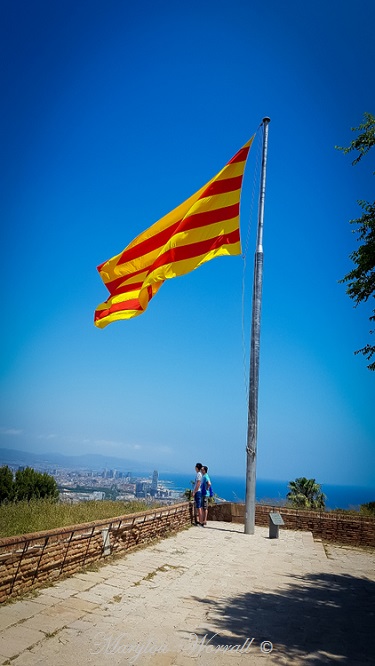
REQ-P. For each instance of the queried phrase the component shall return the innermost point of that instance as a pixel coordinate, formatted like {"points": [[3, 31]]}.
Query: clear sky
{"points": [[113, 113]]}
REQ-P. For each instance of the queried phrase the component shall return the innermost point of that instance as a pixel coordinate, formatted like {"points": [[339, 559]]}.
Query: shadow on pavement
{"points": [[330, 618]]}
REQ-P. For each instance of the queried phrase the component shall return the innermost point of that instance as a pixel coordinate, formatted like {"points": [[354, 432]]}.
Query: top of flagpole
{"points": [[266, 119]]}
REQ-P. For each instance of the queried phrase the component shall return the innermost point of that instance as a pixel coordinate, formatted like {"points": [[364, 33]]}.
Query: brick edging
{"points": [[330, 526]]}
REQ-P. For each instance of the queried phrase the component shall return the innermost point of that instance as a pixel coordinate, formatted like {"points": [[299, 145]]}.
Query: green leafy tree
{"points": [[30, 484], [361, 280], [6, 484], [306, 494]]}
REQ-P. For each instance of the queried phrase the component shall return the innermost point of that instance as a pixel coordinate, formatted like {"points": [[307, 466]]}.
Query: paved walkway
{"points": [[205, 596]]}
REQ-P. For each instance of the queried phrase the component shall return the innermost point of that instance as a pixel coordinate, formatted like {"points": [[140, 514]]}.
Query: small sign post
{"points": [[274, 523]]}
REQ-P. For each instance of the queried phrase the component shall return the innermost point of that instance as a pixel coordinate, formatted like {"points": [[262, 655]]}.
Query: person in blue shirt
{"points": [[197, 495], [205, 487]]}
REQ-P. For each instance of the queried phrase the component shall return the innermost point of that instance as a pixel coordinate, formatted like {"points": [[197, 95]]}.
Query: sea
{"points": [[232, 489]]}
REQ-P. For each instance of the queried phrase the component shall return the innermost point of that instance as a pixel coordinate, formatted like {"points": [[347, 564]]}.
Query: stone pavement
{"points": [[204, 596]]}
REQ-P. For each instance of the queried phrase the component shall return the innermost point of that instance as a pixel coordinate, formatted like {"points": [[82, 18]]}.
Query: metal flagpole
{"points": [[251, 447]]}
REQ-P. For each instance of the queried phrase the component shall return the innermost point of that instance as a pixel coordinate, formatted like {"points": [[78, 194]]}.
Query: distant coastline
{"points": [[232, 489]]}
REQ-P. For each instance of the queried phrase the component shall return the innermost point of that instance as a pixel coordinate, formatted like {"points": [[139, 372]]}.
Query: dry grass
{"points": [[18, 518]]}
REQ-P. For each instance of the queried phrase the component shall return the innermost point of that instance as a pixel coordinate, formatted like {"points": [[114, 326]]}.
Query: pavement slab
{"points": [[212, 596], [16, 639], [76, 584], [13, 613], [52, 620], [58, 592]]}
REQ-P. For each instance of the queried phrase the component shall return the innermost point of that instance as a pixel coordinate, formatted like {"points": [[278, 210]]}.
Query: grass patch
{"points": [[152, 574], [52, 634], [18, 518]]}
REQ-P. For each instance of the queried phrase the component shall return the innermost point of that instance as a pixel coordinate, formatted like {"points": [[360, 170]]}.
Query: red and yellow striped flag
{"points": [[203, 227]]}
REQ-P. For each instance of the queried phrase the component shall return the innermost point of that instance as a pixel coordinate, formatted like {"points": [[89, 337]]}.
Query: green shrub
{"points": [[367, 509]]}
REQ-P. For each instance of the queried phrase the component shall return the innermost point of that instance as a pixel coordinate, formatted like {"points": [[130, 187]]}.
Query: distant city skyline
{"points": [[83, 483], [100, 465]]}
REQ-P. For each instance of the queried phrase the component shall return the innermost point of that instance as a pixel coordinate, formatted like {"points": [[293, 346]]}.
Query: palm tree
{"points": [[306, 493]]}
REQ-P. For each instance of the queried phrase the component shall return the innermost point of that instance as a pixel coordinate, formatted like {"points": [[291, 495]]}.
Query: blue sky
{"points": [[113, 113]]}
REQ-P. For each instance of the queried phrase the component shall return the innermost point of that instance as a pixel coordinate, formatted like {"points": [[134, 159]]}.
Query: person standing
{"points": [[205, 485], [197, 494]]}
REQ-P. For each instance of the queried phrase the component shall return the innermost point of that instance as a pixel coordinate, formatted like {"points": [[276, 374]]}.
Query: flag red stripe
{"points": [[113, 284], [195, 249], [148, 245], [210, 217], [240, 156], [222, 186], [189, 222], [123, 289], [132, 304]]}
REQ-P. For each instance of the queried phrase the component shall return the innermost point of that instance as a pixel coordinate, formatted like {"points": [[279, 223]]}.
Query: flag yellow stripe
{"points": [[179, 268], [203, 233], [215, 202], [229, 171]]}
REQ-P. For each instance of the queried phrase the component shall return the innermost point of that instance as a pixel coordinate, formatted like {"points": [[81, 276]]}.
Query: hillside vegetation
{"points": [[44, 514]]}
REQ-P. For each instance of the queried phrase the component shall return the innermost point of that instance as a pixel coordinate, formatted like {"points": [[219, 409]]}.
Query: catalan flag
{"points": [[203, 227]]}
